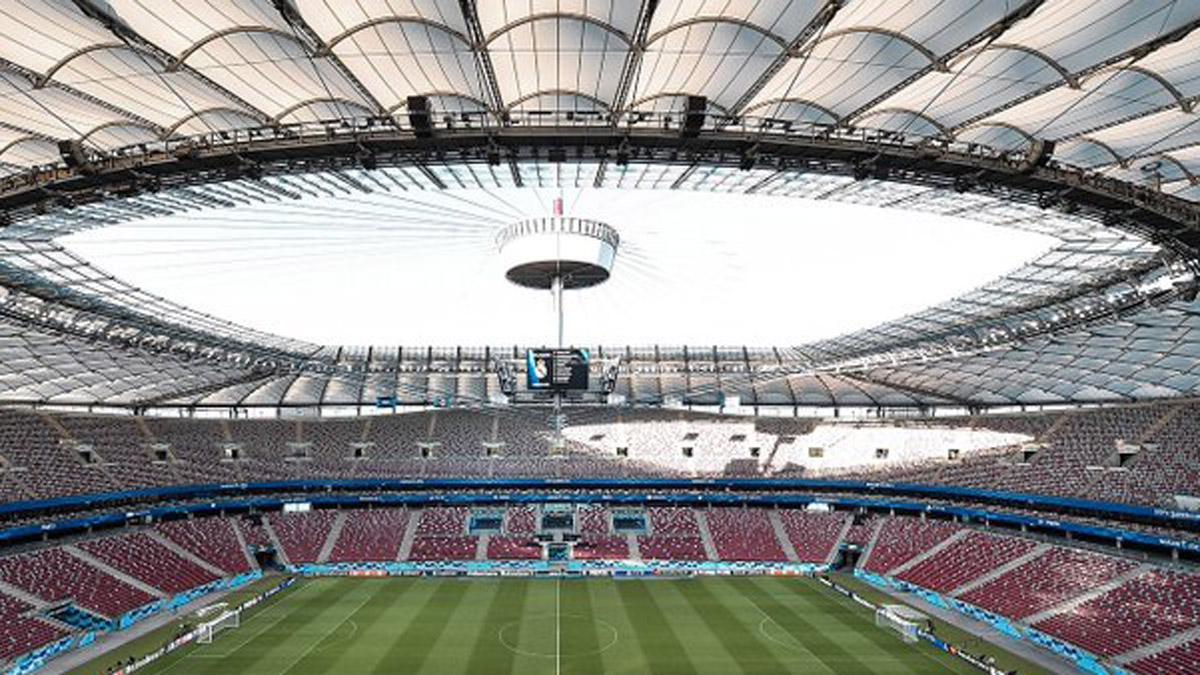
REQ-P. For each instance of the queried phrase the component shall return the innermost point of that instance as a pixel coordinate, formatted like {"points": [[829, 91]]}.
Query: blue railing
{"points": [[755, 492]]}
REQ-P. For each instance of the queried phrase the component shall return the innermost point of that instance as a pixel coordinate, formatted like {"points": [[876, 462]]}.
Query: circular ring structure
{"points": [[577, 251]]}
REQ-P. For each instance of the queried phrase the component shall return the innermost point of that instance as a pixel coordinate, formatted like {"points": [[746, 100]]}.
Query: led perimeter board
{"points": [[557, 369]]}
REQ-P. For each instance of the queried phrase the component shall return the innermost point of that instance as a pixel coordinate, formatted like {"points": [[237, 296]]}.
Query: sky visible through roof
{"points": [[693, 269]]}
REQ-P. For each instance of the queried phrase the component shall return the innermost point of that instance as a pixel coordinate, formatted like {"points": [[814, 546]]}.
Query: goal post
{"points": [[904, 623], [209, 629]]}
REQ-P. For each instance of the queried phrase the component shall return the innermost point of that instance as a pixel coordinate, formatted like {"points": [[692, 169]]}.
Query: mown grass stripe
{"points": [[750, 653], [308, 622], [581, 639], [410, 648], [506, 606], [338, 643], [858, 622], [376, 638], [812, 635], [660, 647]]}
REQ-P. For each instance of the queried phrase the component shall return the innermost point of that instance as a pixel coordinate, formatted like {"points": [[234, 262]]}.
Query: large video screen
{"points": [[557, 369]]}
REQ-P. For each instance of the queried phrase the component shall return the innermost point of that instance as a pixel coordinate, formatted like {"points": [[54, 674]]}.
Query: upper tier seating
{"points": [[57, 576], [148, 561], [1078, 456]]}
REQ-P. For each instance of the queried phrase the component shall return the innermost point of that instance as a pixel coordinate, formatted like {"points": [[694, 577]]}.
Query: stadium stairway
{"points": [[928, 553], [186, 554], [481, 546], [1155, 648], [410, 534], [866, 554], [1159, 424], [1084, 597], [280, 553], [780, 534], [14, 486], [1055, 426], [112, 571], [1035, 552], [335, 531], [710, 548], [245, 548], [100, 468], [635, 549], [833, 552], [27, 598]]}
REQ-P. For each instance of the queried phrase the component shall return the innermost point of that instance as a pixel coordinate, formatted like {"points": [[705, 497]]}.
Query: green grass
{"points": [[1006, 661], [546, 626]]}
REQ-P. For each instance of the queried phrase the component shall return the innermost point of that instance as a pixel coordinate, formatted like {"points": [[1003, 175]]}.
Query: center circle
{"points": [[536, 636]]}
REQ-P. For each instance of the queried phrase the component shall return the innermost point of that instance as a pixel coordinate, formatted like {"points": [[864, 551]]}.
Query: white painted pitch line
{"points": [[262, 628], [304, 654], [558, 627]]}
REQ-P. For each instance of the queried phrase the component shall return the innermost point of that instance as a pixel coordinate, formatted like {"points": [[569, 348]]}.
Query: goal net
{"points": [[209, 629], [904, 623]]}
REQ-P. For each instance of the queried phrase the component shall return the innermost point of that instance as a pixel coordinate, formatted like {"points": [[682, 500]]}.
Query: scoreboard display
{"points": [[557, 369]]}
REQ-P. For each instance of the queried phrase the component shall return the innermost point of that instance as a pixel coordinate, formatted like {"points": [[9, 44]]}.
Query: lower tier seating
{"points": [[513, 548], [965, 560], [210, 539], [1183, 659], [148, 561], [57, 576], [444, 548], [744, 534], [902, 539], [370, 536], [671, 548], [302, 535], [601, 547], [21, 634], [1046, 581], [814, 536], [1141, 611]]}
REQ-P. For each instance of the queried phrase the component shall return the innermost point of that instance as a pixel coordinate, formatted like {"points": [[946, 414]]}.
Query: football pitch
{"points": [[530, 626]]}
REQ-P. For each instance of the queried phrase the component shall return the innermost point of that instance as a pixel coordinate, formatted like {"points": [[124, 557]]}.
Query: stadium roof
{"points": [[1075, 119]]}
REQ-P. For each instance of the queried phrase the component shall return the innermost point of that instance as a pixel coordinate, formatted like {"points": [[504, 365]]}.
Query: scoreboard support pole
{"points": [[556, 287]]}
